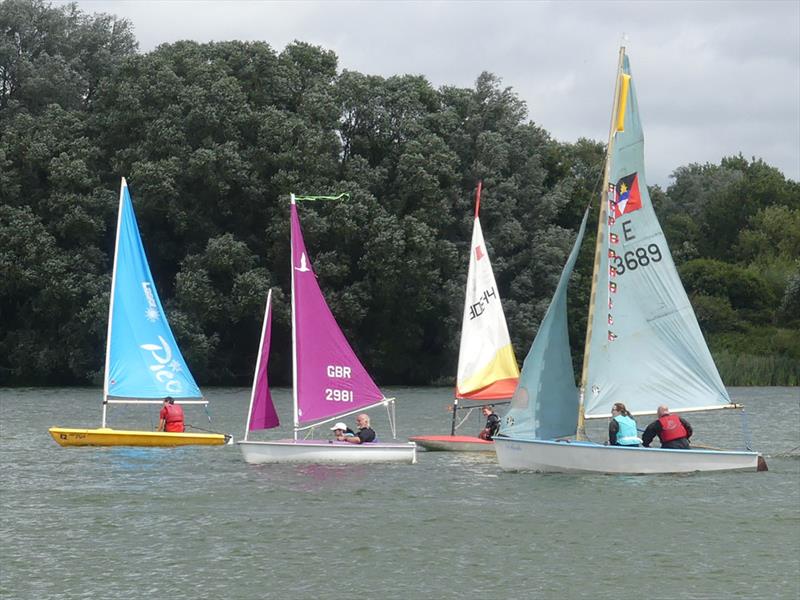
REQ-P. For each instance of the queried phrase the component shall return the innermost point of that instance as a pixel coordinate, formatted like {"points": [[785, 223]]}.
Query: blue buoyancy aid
{"points": [[626, 436]]}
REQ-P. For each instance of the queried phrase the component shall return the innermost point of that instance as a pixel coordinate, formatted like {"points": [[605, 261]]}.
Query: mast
{"points": [[258, 365], [294, 340], [123, 185], [580, 433]]}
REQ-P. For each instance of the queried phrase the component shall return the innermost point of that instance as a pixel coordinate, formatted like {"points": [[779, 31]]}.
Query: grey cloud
{"points": [[713, 78]]}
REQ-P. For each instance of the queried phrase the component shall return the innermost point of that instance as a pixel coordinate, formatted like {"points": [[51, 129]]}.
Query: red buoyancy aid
{"points": [[174, 418], [671, 428]]}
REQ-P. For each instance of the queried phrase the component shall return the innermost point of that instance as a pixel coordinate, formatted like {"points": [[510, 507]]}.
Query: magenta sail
{"points": [[263, 414], [330, 378]]}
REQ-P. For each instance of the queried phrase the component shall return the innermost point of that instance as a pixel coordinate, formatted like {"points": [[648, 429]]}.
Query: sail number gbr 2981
{"points": [[335, 394], [639, 257]]}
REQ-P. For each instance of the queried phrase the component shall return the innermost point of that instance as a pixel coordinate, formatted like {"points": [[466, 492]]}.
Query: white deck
{"points": [[517, 454], [322, 451]]}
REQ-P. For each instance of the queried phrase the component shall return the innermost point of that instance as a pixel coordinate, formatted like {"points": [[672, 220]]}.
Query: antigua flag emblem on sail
{"points": [[627, 198]]}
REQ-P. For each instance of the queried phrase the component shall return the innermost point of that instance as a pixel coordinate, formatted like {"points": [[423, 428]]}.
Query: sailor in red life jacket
{"points": [[673, 431], [171, 417]]}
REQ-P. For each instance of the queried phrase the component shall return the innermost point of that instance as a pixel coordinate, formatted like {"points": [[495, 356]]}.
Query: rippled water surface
{"points": [[120, 523]]}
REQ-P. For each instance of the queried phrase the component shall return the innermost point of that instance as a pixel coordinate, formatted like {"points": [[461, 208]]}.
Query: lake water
{"points": [[122, 523]]}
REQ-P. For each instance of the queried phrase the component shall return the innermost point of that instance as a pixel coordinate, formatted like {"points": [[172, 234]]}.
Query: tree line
{"points": [[213, 137]]}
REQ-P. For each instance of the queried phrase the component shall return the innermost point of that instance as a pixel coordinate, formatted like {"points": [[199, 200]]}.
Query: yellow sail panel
{"points": [[623, 101], [503, 368]]}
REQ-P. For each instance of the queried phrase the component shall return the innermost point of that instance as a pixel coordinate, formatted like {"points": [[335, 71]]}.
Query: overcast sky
{"points": [[713, 78]]}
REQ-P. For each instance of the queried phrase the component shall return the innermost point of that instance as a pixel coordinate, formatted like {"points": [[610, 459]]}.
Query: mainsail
{"points": [[262, 411], [329, 378], [142, 357], [645, 347], [487, 367]]}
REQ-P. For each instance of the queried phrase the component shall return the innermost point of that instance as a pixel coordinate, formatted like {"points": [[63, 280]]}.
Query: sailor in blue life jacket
{"points": [[622, 428], [673, 431]]}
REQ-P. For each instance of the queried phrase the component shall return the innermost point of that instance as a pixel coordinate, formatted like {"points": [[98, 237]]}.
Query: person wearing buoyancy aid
{"points": [[673, 431], [622, 428], [171, 416]]}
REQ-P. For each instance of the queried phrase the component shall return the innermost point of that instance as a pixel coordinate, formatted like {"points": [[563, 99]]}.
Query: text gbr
{"points": [[334, 394]]}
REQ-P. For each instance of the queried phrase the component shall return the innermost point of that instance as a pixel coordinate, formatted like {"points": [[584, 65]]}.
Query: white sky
{"points": [[713, 78]]}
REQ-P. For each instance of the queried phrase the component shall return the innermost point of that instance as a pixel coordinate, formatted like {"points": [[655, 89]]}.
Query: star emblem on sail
{"points": [[627, 197]]}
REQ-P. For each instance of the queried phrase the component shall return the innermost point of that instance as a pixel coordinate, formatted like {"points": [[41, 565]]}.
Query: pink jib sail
{"points": [[263, 414], [330, 379]]}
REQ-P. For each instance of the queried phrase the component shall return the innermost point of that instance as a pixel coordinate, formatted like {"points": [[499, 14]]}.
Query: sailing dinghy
{"points": [[487, 367], [643, 344], [329, 381], [143, 362]]}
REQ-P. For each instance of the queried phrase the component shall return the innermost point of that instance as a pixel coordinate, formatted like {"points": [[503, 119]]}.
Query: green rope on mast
{"points": [[344, 196]]}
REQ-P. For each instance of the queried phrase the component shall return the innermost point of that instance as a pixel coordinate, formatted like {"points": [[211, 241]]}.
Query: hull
{"points": [[122, 437], [453, 443], [517, 454], [322, 451]]}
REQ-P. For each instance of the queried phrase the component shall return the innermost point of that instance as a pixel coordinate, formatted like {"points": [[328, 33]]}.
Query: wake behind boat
{"points": [[643, 344], [329, 380], [143, 362], [487, 367]]}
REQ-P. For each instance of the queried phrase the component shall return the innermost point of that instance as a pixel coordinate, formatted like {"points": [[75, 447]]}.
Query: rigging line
{"points": [[465, 417], [208, 412], [748, 442], [597, 188], [788, 453], [190, 426]]}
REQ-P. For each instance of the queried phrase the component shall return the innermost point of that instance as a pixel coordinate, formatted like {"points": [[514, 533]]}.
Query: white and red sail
{"points": [[487, 367]]}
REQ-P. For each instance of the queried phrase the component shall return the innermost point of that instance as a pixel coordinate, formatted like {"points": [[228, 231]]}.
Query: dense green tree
{"points": [[214, 137]]}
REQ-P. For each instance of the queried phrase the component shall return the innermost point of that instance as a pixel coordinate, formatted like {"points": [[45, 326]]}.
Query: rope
{"points": [[748, 442], [189, 426], [792, 452], [469, 412]]}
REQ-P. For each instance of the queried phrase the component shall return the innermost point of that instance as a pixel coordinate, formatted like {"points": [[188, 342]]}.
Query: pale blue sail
{"points": [[646, 347], [545, 403], [143, 358]]}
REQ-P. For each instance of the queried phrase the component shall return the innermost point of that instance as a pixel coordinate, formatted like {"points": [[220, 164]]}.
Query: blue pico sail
{"points": [[143, 362], [142, 357]]}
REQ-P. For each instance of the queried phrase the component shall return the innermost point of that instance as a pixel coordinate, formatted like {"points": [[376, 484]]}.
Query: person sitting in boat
{"points": [[492, 423], [622, 428], [341, 430], [673, 431], [365, 433], [171, 416]]}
